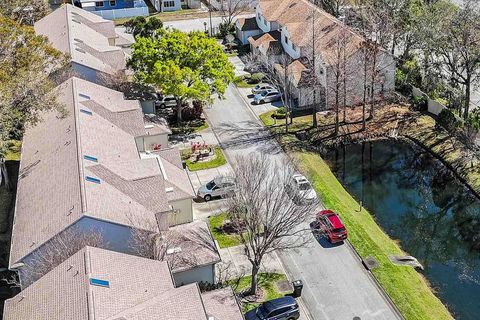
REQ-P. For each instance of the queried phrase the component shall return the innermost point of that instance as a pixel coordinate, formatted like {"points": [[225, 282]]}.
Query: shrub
{"points": [[280, 113], [420, 103], [194, 112], [226, 29], [256, 78], [448, 120]]}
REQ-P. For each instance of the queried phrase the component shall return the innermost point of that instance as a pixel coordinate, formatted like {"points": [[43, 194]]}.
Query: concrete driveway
{"points": [[336, 284], [202, 209]]}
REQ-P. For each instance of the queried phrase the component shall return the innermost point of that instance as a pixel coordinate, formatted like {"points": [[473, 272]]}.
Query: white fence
{"points": [[434, 107], [140, 9]]}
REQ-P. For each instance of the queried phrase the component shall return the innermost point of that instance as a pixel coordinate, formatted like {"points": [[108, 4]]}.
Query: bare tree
{"points": [[180, 246], [25, 11], [262, 208], [277, 71], [231, 9], [57, 250]]}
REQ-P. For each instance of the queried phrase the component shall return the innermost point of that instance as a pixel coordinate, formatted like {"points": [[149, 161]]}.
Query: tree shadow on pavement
{"points": [[247, 134]]}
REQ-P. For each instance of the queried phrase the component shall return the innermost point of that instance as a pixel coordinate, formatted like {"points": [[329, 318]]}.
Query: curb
{"points": [[301, 303]]}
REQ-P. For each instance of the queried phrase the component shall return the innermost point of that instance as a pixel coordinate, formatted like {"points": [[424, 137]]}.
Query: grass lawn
{"points": [[407, 288], [299, 123], [201, 165], [189, 127], [241, 83], [14, 151], [267, 283], [224, 240]]}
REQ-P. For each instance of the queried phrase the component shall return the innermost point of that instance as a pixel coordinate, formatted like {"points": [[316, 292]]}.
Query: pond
{"points": [[417, 200]]}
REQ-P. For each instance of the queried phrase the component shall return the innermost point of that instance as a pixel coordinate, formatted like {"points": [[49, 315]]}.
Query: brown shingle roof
{"points": [[247, 24], [268, 43], [84, 36], [297, 71], [138, 288], [197, 247], [222, 304], [52, 186], [297, 17]]}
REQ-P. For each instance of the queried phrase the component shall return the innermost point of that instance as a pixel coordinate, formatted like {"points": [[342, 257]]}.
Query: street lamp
{"points": [[205, 25]]}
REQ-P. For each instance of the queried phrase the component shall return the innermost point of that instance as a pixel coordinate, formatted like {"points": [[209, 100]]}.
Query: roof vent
{"points": [[169, 189], [90, 158], [86, 111], [78, 40], [84, 96], [99, 283], [149, 126], [92, 179], [174, 250]]}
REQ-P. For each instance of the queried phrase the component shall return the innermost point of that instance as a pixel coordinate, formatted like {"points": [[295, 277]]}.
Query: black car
{"points": [[285, 308]]}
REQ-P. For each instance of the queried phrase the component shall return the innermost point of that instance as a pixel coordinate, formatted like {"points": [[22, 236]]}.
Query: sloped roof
{"points": [[197, 247], [247, 24], [268, 43], [138, 288], [84, 36], [221, 304], [61, 155], [298, 16], [297, 71]]}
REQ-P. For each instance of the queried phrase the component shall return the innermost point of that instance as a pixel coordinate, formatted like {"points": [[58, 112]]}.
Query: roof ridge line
{"points": [[81, 167]]}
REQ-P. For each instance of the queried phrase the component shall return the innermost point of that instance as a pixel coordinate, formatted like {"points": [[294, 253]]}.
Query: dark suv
{"points": [[285, 308]]}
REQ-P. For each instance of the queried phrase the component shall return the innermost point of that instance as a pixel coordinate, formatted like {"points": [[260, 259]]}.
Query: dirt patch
{"points": [[283, 286]]}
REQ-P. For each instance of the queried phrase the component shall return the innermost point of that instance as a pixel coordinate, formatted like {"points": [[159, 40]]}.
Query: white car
{"points": [[218, 187], [259, 88], [300, 189], [165, 101]]}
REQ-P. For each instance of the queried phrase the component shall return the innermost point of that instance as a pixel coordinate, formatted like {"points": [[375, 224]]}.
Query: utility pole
{"points": [[210, 17]]}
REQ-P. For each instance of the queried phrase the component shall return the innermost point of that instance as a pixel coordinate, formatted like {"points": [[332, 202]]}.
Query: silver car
{"points": [[259, 88], [267, 96], [218, 187], [165, 101]]}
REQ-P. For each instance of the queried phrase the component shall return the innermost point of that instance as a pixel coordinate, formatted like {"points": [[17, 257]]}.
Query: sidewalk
{"points": [[235, 259]]}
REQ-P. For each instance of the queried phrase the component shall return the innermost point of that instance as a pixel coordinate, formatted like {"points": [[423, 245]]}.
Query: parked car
{"points": [[330, 223], [165, 101], [285, 308], [259, 88], [218, 187], [267, 96], [300, 189]]}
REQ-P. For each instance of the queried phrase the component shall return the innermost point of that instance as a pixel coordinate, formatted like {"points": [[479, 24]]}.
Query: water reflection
{"points": [[417, 200]]}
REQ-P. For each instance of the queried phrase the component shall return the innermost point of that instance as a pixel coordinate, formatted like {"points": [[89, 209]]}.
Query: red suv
{"points": [[330, 223]]}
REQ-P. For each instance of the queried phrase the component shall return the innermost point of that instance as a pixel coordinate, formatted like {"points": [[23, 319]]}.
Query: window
{"points": [[99, 4], [113, 3], [168, 4], [293, 46], [99, 282], [286, 40]]}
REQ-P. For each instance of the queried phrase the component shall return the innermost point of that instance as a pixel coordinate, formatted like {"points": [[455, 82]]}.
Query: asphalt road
{"points": [[336, 286]]}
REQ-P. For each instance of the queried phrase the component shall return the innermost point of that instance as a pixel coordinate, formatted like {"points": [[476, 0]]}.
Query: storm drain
{"points": [[370, 263]]}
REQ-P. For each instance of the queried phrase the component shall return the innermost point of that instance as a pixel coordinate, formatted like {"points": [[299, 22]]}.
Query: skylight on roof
{"points": [[86, 111], [99, 282], [90, 158], [92, 179], [80, 50]]}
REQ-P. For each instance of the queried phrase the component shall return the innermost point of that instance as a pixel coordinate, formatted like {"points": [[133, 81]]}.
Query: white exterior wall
{"points": [[244, 35], [182, 212], [263, 24], [199, 274], [292, 50]]}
